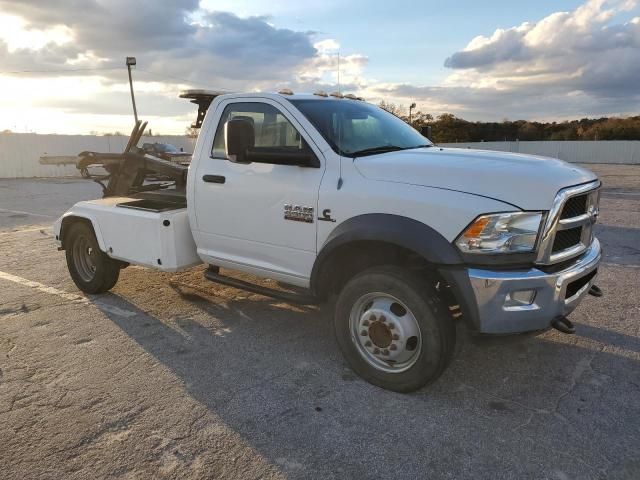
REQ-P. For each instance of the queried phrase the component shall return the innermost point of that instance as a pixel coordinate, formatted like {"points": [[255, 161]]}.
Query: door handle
{"points": [[214, 178]]}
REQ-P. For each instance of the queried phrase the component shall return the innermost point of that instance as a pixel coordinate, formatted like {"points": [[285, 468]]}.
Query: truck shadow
{"points": [[609, 337], [273, 374]]}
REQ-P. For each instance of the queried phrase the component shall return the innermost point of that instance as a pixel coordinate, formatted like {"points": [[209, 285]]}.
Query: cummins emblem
{"points": [[298, 213]]}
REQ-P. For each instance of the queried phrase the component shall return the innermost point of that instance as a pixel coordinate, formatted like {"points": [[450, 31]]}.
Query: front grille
{"points": [[566, 239], [568, 230], [574, 207], [576, 285]]}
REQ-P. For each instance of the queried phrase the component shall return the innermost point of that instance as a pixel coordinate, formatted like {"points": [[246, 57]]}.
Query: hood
{"points": [[527, 181]]}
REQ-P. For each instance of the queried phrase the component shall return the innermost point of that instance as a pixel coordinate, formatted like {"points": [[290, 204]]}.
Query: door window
{"points": [[272, 129]]}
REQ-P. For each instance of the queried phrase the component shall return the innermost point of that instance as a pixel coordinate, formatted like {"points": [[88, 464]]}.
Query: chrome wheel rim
{"points": [[385, 332], [84, 258]]}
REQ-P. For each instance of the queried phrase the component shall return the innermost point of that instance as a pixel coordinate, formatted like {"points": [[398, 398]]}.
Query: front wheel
{"points": [[92, 270], [393, 329]]}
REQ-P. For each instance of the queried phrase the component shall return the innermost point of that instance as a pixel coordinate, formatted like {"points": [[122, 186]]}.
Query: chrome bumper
{"points": [[521, 301]]}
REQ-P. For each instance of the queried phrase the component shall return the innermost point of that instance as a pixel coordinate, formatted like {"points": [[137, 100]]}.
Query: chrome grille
{"points": [[575, 206], [568, 231], [566, 239]]}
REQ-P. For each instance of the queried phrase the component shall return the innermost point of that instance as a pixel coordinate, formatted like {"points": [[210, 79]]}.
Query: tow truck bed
{"points": [[141, 231]]}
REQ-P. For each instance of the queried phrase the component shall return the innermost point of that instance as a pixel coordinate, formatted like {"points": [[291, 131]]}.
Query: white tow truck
{"points": [[336, 196]]}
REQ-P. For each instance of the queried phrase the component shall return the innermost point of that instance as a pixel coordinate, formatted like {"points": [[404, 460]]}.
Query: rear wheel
{"points": [[393, 329], [91, 269]]}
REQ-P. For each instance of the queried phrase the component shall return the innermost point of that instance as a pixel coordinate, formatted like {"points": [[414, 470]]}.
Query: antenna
{"points": [[340, 181], [339, 90]]}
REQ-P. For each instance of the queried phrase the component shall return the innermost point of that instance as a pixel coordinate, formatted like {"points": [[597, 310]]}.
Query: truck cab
{"points": [[339, 198]]}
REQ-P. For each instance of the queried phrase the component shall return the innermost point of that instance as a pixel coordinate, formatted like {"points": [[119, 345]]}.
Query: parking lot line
{"points": [[45, 229], [21, 212], [43, 288], [65, 295]]}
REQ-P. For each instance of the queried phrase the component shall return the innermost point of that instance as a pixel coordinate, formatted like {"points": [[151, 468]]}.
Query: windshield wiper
{"points": [[426, 145], [378, 149], [384, 148]]}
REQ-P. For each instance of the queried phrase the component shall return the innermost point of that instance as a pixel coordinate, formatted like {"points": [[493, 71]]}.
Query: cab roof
{"points": [[195, 94], [203, 98]]}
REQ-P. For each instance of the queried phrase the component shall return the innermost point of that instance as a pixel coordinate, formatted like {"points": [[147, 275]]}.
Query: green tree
{"points": [[449, 128]]}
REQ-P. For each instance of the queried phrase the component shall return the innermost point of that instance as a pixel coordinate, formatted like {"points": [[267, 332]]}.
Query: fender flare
{"points": [[72, 217], [394, 229]]}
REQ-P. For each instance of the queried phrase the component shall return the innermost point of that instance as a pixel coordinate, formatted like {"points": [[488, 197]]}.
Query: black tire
{"points": [[96, 273], [437, 330]]}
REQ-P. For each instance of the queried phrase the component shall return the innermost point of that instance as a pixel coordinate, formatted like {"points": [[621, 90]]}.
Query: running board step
{"points": [[300, 299]]}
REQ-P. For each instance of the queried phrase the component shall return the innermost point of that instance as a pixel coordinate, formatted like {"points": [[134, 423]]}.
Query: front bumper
{"points": [[527, 300]]}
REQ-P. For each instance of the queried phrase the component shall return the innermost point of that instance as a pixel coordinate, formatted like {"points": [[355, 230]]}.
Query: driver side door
{"points": [[259, 217]]}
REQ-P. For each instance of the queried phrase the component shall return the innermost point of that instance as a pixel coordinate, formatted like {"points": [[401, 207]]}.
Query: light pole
{"points": [[132, 61], [411, 107]]}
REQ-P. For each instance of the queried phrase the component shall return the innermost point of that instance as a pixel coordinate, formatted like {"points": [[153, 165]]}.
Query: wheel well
{"points": [[353, 257], [66, 225], [67, 222]]}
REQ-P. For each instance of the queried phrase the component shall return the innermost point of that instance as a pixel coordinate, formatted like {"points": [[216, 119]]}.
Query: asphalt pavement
{"points": [[171, 376]]}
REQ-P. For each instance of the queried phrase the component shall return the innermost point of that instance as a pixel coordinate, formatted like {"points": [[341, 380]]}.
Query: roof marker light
{"points": [[336, 94], [286, 91], [321, 93], [350, 96]]}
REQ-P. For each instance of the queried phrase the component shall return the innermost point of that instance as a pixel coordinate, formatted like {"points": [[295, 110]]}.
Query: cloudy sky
{"points": [[62, 61]]}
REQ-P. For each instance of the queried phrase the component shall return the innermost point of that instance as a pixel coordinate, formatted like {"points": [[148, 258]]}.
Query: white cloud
{"points": [[221, 50], [578, 63], [327, 46], [560, 42], [331, 68], [16, 35], [541, 69]]}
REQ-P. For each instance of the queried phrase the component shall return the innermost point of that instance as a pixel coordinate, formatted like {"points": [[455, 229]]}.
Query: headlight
{"points": [[501, 233]]}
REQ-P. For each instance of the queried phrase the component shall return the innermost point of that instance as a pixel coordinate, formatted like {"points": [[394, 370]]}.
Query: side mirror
{"points": [[239, 137]]}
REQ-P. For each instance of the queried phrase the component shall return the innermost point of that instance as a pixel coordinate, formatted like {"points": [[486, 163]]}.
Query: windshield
{"points": [[355, 128]]}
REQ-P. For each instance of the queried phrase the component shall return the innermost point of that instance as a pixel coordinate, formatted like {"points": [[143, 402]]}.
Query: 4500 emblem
{"points": [[298, 213]]}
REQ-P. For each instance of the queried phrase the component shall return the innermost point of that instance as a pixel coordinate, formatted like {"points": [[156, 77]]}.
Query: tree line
{"points": [[447, 128]]}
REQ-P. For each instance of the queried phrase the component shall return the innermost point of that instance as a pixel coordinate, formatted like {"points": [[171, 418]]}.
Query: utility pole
{"points": [[132, 61], [411, 107]]}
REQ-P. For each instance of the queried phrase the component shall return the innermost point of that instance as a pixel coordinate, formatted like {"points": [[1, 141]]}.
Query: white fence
{"points": [[20, 152], [609, 151]]}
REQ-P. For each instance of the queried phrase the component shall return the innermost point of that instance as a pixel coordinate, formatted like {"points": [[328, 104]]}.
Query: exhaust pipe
{"points": [[564, 325], [595, 291]]}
